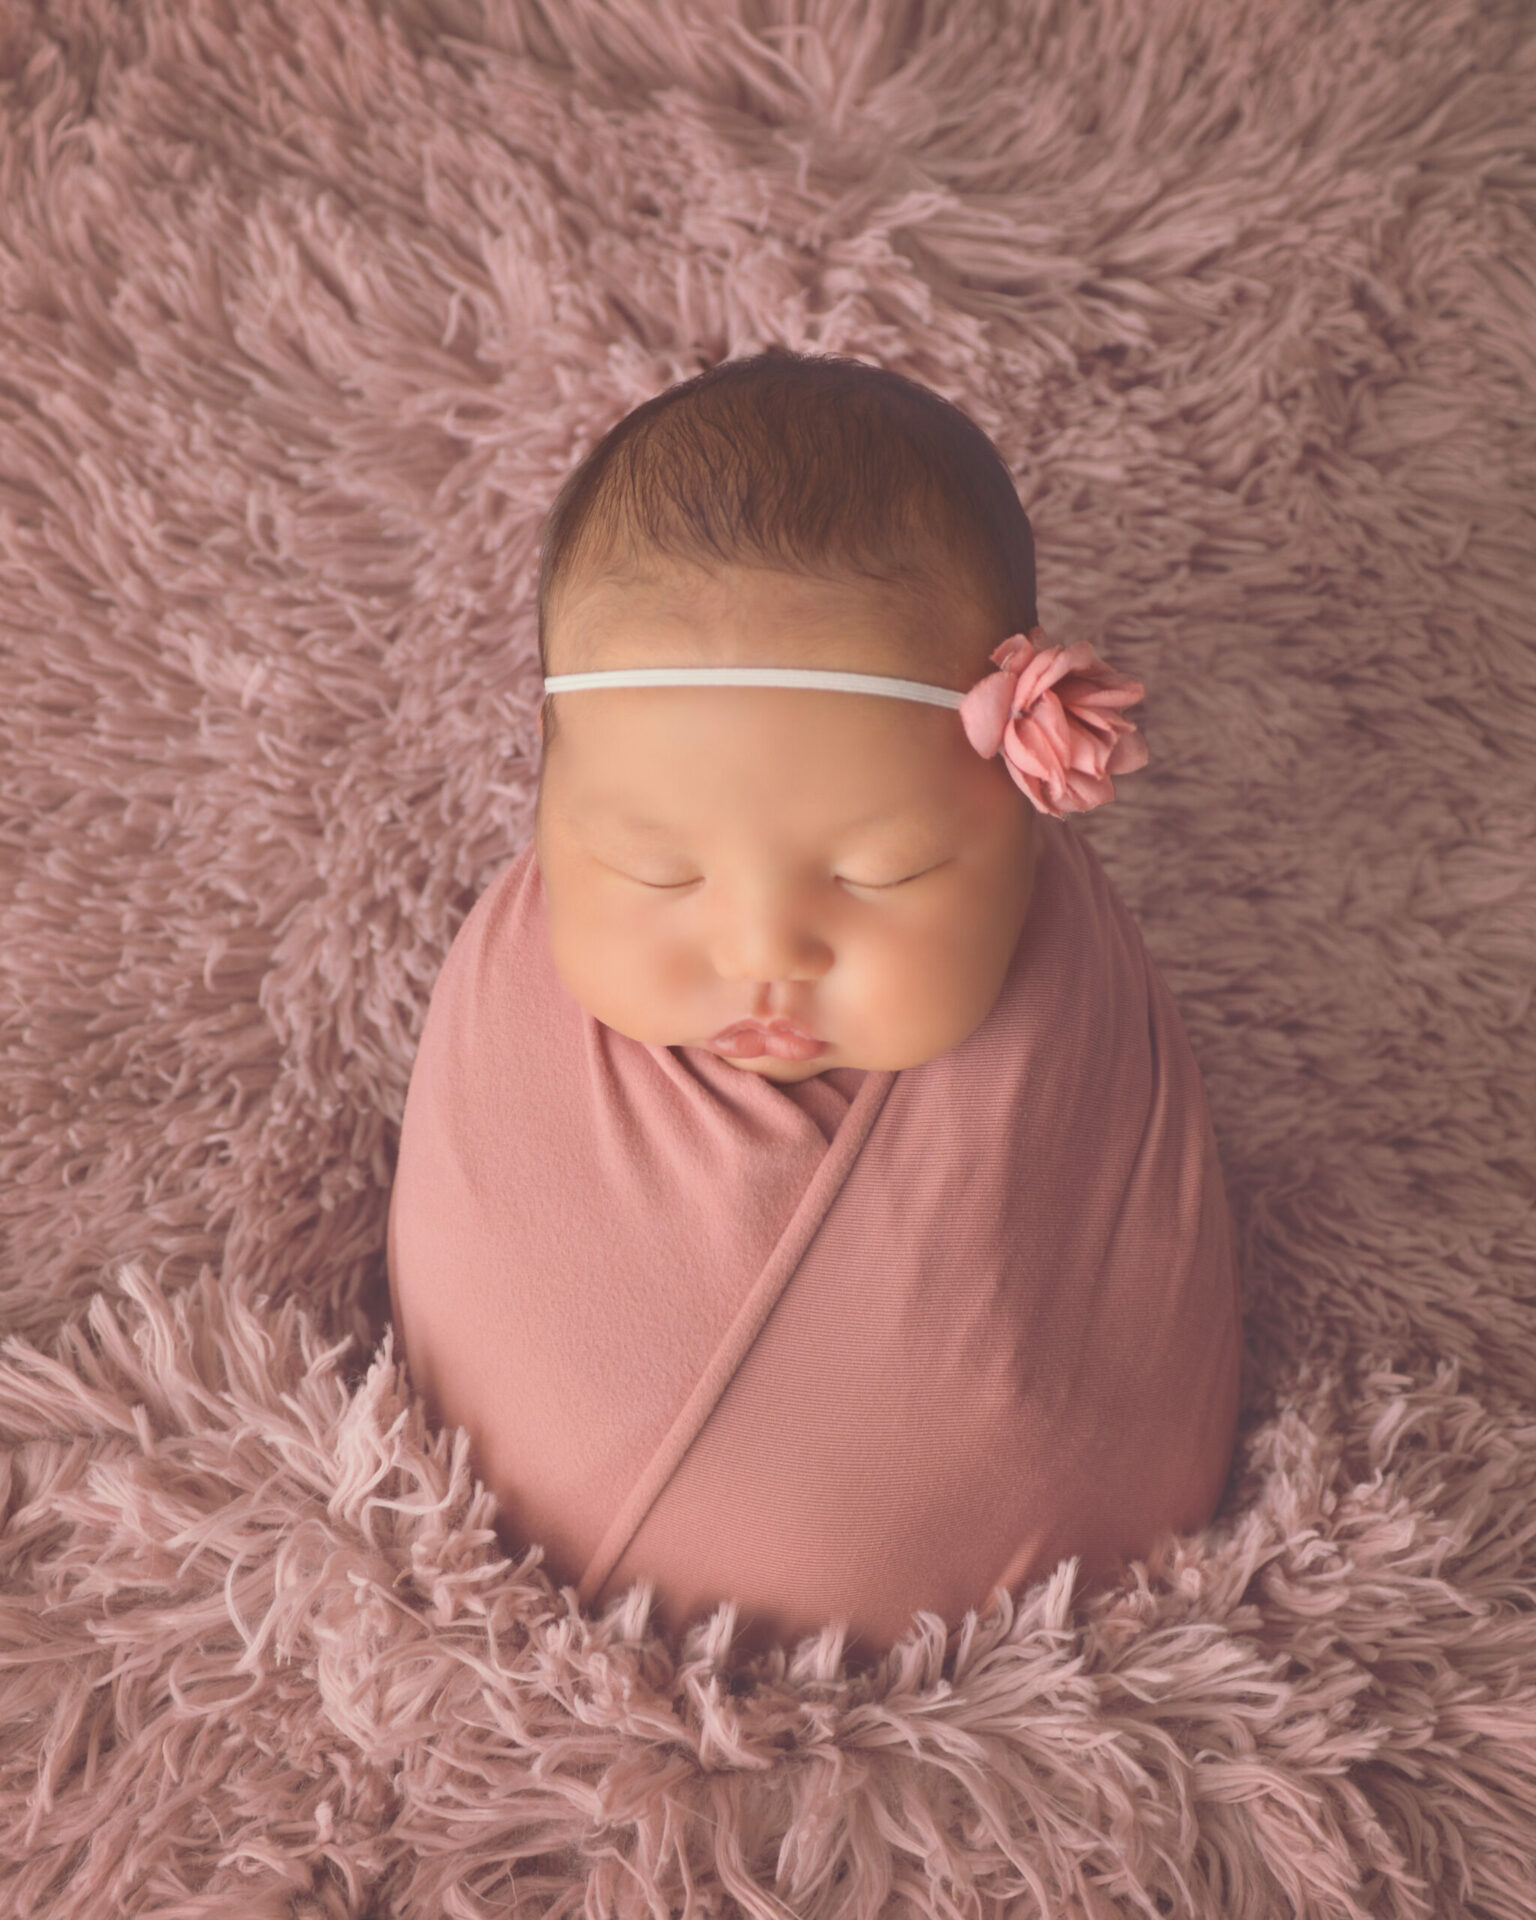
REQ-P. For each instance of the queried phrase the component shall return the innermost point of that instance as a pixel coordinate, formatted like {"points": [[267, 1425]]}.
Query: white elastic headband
{"points": [[757, 677]]}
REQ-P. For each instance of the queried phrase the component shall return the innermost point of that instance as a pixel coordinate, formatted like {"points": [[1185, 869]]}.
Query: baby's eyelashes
{"points": [[864, 886]]}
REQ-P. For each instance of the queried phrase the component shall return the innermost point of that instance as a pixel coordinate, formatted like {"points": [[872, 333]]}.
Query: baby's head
{"points": [[717, 853]]}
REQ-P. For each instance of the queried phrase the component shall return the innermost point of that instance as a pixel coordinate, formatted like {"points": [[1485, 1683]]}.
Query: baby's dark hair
{"points": [[814, 463]]}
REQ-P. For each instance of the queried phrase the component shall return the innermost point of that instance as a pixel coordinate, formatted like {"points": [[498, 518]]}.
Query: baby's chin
{"points": [[782, 1072], [786, 1072]]}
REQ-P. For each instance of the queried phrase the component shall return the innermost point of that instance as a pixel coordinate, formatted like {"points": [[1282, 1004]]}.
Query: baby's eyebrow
{"points": [[908, 815]]}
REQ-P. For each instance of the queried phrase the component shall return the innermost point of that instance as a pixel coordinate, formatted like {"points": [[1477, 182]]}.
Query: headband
{"points": [[1054, 713]]}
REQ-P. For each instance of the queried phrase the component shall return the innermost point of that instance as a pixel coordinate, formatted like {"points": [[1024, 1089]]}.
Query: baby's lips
{"points": [[747, 1041]]}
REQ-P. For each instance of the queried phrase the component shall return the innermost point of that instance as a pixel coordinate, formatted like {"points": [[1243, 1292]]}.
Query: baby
{"points": [[806, 1194]]}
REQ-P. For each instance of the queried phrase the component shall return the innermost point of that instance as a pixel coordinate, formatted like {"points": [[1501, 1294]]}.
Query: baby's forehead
{"points": [[654, 801]]}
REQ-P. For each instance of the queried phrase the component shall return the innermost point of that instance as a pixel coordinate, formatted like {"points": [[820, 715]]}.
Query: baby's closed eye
{"points": [[865, 886]]}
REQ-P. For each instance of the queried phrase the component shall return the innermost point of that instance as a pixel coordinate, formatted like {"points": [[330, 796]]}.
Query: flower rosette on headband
{"points": [[1056, 716]]}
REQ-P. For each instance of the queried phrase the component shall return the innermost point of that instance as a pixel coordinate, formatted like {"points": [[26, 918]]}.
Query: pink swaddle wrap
{"points": [[875, 1343]]}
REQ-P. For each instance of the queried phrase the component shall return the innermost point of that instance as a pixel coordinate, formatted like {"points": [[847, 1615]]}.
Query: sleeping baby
{"points": [[807, 1197]]}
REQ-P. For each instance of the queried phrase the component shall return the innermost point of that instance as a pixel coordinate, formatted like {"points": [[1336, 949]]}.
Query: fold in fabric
{"points": [[878, 1342]]}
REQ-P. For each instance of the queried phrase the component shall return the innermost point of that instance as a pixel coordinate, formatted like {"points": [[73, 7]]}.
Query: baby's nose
{"points": [[769, 943]]}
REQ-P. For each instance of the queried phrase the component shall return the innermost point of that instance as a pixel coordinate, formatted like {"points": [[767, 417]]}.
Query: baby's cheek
{"points": [[589, 948], [950, 980], [896, 985]]}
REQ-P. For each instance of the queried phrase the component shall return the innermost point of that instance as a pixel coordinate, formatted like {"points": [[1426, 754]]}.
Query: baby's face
{"points": [[713, 854]]}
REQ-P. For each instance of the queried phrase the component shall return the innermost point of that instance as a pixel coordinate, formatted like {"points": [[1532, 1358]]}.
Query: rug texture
{"points": [[306, 306]]}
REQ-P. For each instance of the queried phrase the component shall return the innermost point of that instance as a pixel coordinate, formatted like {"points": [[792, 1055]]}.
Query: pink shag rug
{"points": [[305, 308]]}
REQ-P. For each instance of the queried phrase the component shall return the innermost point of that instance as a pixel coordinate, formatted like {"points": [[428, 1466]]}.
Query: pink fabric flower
{"points": [[1055, 714]]}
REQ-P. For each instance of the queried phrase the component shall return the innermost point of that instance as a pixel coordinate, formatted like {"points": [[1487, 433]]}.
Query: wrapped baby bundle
{"points": [[875, 1342]]}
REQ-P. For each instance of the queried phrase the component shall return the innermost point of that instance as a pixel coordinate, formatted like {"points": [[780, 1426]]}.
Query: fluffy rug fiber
{"points": [[305, 308]]}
